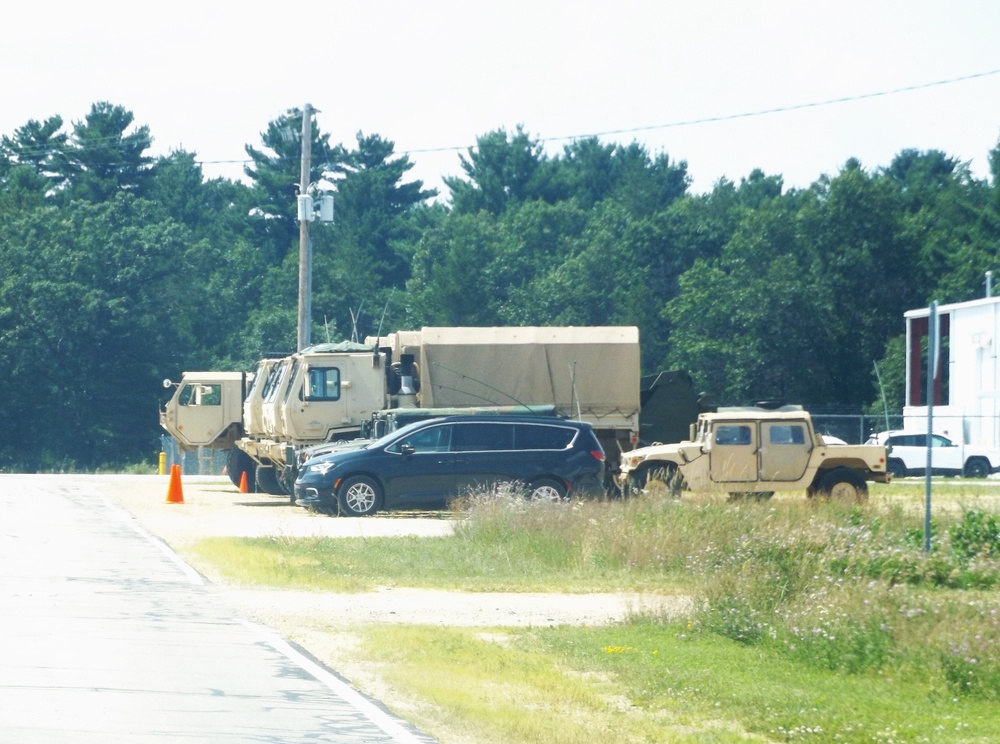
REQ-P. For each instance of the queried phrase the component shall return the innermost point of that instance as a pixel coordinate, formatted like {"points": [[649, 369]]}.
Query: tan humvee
{"points": [[755, 452]]}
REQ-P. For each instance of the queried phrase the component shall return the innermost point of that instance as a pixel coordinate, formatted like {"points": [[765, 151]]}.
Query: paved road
{"points": [[107, 636]]}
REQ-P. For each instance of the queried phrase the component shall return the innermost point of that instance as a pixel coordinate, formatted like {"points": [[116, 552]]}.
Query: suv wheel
{"points": [[897, 467], [976, 467]]}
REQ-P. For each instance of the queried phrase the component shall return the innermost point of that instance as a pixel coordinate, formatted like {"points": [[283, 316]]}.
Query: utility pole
{"points": [[305, 249]]}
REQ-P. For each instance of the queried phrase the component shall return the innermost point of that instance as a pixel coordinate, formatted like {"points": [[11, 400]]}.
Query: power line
{"points": [[744, 115], [102, 142], [703, 120]]}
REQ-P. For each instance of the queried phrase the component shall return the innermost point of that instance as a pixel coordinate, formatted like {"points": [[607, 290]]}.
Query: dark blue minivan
{"points": [[429, 462]]}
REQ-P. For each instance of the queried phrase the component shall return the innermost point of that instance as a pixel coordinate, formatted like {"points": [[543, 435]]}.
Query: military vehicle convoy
{"points": [[331, 392], [753, 452]]}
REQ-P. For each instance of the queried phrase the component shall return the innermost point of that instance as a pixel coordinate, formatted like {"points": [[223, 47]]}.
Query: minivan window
{"points": [[532, 437], [479, 437], [433, 439]]}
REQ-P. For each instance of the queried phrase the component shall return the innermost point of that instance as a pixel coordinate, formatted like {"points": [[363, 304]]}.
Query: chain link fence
{"points": [[204, 461], [854, 429]]}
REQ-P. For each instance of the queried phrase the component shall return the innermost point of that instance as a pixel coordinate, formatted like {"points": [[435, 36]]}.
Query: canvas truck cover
{"points": [[586, 372]]}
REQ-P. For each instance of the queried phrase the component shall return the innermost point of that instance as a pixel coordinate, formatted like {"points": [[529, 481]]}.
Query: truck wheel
{"points": [[977, 467], [359, 496], [286, 479], [267, 480], [897, 467], [843, 484], [239, 462], [546, 490]]}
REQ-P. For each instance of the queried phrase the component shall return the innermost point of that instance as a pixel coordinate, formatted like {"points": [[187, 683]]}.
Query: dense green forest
{"points": [[121, 269]]}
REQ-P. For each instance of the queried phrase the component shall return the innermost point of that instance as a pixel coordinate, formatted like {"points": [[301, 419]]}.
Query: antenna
{"points": [[575, 399], [354, 322], [384, 310], [326, 326], [881, 390]]}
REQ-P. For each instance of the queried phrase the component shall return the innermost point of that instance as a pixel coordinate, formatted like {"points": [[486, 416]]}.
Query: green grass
{"points": [[815, 621]]}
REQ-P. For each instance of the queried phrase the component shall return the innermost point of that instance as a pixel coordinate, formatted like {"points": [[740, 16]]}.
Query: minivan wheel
{"points": [[359, 496], [546, 490]]}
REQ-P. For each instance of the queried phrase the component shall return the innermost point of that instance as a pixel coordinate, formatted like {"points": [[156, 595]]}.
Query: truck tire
{"points": [[843, 484], [976, 467], [359, 496], [286, 479], [267, 480], [239, 462]]}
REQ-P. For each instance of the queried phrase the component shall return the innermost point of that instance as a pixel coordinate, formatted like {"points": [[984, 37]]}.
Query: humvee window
{"points": [[787, 434], [733, 435]]}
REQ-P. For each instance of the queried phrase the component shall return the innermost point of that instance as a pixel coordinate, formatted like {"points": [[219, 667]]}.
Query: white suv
{"points": [[907, 455]]}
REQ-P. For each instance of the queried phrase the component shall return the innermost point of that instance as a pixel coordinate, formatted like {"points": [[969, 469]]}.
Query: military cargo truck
{"points": [[328, 391]]}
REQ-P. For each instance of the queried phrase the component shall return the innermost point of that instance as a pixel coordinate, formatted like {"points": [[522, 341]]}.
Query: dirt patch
{"points": [[326, 624], [214, 507]]}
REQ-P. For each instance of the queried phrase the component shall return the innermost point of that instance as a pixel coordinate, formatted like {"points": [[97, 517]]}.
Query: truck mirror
{"points": [[167, 383]]}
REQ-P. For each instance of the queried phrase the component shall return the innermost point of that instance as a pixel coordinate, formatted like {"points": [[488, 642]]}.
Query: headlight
{"points": [[320, 468]]}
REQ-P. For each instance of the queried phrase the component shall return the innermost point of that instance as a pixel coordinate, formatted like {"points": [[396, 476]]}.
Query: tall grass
{"points": [[839, 587]]}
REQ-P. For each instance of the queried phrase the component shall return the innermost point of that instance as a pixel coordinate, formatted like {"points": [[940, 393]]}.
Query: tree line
{"points": [[122, 269]]}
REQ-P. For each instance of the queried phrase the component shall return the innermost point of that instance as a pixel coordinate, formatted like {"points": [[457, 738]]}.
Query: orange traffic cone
{"points": [[244, 488], [175, 495]]}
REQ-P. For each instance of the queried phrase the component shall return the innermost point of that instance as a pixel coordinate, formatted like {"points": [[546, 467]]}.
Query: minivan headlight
{"points": [[320, 468]]}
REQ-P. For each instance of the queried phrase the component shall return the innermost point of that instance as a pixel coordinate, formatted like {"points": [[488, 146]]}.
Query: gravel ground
{"points": [[327, 624], [213, 507]]}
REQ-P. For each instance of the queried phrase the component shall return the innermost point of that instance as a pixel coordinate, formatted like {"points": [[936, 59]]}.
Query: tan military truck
{"points": [[327, 392], [753, 452]]}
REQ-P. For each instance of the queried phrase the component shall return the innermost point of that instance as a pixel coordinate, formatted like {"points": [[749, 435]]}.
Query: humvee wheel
{"points": [[843, 484], [665, 473]]}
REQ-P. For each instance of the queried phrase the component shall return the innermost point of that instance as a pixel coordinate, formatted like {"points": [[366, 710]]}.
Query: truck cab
{"points": [[205, 409]]}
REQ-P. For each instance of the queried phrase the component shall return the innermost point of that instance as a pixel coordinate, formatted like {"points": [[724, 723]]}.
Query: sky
{"points": [[684, 78]]}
